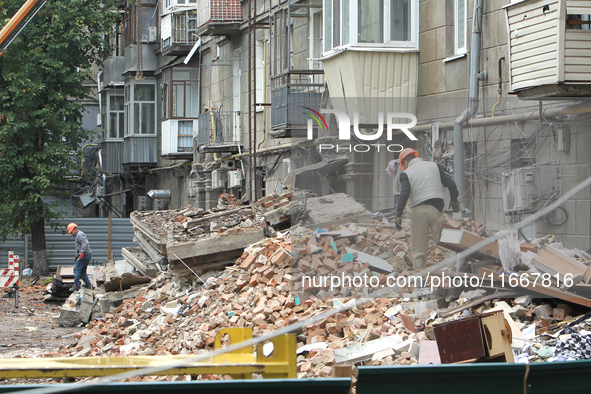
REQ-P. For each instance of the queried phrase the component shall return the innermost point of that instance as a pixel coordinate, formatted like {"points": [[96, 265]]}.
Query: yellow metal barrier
{"points": [[239, 363]]}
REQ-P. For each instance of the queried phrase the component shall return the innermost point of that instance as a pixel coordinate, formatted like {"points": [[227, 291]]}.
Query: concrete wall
{"points": [[443, 91]]}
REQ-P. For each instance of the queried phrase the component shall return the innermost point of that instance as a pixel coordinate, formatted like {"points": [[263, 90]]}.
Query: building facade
{"points": [[204, 97]]}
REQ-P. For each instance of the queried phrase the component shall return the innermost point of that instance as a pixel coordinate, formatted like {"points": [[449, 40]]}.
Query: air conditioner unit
{"points": [[525, 188], [142, 203], [234, 179], [152, 34], [218, 179]]}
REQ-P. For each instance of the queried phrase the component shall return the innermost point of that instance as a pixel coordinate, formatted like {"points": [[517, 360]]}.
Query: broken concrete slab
{"points": [[86, 304], [336, 207], [376, 264], [68, 317], [206, 251], [140, 260], [364, 351]]}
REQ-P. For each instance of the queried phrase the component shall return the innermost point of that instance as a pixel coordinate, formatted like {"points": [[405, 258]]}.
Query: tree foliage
{"points": [[41, 87]]}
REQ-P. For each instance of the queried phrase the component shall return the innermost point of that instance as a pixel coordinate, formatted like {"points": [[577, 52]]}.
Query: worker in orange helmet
{"points": [[82, 258], [423, 182]]}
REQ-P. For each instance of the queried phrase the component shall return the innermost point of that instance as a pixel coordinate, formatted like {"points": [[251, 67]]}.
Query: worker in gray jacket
{"points": [[82, 258], [423, 182]]}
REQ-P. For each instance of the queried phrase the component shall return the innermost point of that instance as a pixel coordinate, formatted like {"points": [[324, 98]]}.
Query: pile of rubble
{"points": [[275, 283], [185, 234]]}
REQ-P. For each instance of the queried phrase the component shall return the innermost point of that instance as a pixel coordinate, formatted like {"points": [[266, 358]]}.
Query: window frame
{"points": [[130, 102], [119, 113], [460, 50], [168, 98], [352, 41]]}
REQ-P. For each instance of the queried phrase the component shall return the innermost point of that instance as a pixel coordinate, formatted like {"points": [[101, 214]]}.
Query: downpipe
{"points": [[473, 102]]}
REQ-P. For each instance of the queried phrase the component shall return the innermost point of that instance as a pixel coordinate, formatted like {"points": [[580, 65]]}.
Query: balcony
{"points": [[113, 69], [219, 131], [177, 137], [549, 45], [112, 156], [178, 32], [139, 150], [290, 94], [219, 17]]}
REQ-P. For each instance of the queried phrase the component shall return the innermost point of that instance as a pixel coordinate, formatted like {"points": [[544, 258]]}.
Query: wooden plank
{"points": [[554, 262], [546, 290], [497, 337]]}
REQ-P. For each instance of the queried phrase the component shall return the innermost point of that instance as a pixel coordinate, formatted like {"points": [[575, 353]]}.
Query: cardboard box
{"points": [[460, 240]]}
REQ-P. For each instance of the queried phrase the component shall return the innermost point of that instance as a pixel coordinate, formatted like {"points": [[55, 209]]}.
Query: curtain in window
{"points": [[371, 16]]}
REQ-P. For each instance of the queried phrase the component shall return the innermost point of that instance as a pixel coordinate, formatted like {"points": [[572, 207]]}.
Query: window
{"points": [[180, 96], [460, 27], [172, 3], [116, 125], [373, 23], [140, 108]]}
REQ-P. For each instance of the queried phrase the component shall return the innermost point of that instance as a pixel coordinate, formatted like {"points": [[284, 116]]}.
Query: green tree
{"points": [[41, 88]]}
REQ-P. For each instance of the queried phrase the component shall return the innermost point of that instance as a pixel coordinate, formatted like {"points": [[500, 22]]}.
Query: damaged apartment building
{"points": [[198, 101], [204, 97]]}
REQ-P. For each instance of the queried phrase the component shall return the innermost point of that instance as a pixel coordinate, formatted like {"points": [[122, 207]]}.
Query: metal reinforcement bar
{"points": [[275, 358]]}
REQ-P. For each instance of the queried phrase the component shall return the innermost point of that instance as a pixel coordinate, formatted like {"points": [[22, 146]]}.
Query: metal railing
{"points": [[184, 25], [219, 128], [291, 92]]}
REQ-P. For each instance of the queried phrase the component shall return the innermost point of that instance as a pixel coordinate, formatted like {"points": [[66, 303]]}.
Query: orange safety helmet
{"points": [[71, 227], [404, 155]]}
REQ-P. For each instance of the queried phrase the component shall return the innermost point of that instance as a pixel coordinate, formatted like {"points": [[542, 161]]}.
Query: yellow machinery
{"points": [[274, 359]]}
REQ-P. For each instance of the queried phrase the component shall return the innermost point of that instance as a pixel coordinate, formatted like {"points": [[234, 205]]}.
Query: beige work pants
{"points": [[424, 217]]}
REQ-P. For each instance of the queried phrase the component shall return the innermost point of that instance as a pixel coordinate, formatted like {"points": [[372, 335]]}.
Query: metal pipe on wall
{"points": [[473, 102]]}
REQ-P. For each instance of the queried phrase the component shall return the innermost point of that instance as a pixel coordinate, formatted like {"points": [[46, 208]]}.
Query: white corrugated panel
{"points": [[166, 28], [534, 43]]}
